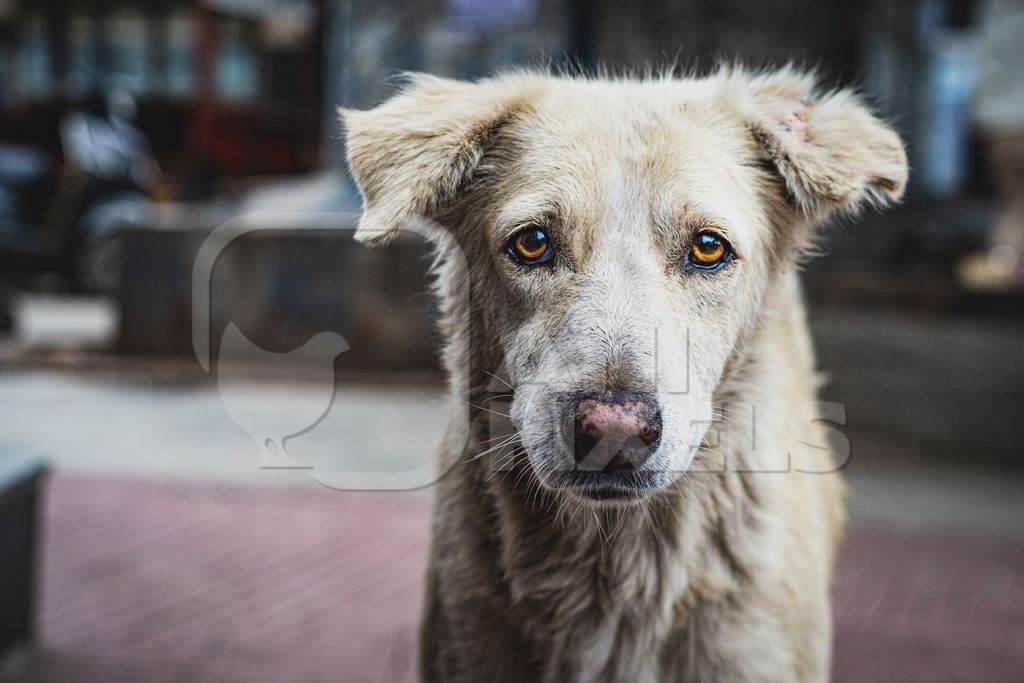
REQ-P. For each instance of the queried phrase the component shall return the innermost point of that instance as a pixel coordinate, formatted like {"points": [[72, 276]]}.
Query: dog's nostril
{"points": [[615, 432], [584, 444], [652, 432]]}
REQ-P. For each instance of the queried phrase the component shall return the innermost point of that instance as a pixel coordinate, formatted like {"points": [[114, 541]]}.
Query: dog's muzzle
{"points": [[611, 435]]}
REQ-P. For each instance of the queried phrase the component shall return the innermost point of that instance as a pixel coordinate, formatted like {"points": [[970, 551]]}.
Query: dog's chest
{"points": [[600, 611]]}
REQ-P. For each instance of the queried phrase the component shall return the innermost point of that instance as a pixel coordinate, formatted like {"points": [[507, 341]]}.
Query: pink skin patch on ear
{"points": [[796, 122]]}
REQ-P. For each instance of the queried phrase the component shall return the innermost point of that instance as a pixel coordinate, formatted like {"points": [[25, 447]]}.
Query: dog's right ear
{"points": [[412, 155]]}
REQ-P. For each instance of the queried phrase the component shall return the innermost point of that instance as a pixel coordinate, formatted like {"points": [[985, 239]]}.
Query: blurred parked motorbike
{"points": [[64, 224]]}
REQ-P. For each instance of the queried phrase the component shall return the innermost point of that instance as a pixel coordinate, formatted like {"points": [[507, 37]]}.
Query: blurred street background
{"points": [[140, 537]]}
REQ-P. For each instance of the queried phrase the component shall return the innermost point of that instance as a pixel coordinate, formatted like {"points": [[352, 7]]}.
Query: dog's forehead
{"points": [[633, 122], [653, 149]]}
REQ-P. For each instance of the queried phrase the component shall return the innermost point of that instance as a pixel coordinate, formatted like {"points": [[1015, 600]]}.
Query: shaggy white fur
{"points": [[719, 568]]}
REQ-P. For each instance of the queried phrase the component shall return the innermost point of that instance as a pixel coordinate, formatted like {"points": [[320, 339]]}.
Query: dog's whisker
{"points": [[726, 418], [502, 464], [496, 397], [483, 442], [499, 446], [505, 463], [600, 531], [499, 379], [618, 524], [575, 510], [493, 412]]}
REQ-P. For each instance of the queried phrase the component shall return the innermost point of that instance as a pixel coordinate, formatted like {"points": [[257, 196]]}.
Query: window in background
{"points": [[236, 76], [283, 38], [129, 53], [34, 70], [487, 15], [181, 29], [83, 68], [946, 88], [6, 78]]}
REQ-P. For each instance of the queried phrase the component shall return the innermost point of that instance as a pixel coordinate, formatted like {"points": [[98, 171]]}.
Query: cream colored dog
{"points": [[662, 504]]}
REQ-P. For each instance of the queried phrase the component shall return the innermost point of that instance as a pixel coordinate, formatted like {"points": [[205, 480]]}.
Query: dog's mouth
{"points": [[607, 486]]}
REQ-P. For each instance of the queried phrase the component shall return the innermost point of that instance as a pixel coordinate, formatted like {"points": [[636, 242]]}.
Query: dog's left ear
{"points": [[412, 155], [831, 152]]}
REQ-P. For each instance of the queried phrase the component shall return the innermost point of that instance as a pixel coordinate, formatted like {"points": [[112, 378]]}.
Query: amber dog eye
{"points": [[530, 246], [708, 251]]}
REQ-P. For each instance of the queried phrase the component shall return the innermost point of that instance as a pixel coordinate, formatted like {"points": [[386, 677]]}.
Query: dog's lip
{"points": [[607, 486]]}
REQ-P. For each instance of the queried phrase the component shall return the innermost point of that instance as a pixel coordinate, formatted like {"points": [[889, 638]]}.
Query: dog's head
{"points": [[620, 237]]}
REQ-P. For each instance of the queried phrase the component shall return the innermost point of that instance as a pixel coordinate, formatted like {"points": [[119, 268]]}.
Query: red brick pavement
{"points": [[172, 581]]}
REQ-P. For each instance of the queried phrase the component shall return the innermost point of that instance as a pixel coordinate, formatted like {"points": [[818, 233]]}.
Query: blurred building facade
{"points": [[912, 58], [248, 87], [232, 91], [222, 86]]}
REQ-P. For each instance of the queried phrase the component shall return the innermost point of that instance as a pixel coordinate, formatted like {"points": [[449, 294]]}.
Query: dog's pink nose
{"points": [[615, 431]]}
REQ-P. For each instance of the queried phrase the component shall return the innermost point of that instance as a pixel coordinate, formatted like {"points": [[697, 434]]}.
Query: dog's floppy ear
{"points": [[411, 155], [830, 151]]}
